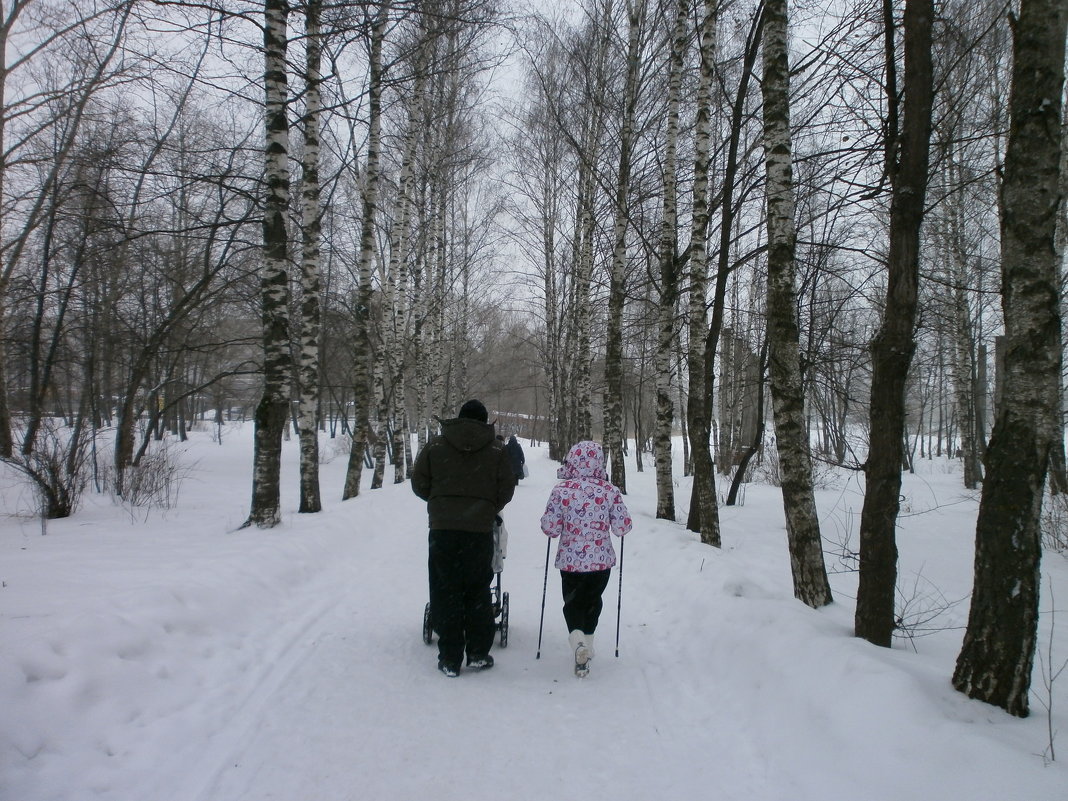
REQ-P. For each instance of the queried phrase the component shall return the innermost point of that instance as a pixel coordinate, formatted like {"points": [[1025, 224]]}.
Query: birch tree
{"points": [[788, 401], [996, 659], [593, 121], [613, 402], [311, 227], [273, 408], [395, 296], [669, 273], [704, 514], [361, 378]]}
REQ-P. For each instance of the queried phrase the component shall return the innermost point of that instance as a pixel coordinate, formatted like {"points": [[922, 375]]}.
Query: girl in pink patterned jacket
{"points": [[584, 510]]}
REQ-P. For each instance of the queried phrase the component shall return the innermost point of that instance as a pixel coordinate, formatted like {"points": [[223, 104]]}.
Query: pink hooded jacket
{"points": [[584, 509]]}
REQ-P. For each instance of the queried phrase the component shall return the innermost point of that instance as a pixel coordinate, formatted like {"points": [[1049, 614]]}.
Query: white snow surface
{"points": [[150, 655]]}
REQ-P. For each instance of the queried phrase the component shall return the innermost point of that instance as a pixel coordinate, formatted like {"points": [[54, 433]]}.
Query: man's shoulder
{"points": [[431, 446]]}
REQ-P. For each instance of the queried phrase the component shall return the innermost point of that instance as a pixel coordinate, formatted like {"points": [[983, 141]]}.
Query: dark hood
{"points": [[467, 435]]}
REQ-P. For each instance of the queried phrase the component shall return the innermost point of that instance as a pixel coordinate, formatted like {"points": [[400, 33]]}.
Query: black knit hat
{"points": [[474, 410]]}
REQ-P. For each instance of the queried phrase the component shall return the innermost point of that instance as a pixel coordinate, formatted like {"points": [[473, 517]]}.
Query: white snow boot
{"points": [[582, 647]]}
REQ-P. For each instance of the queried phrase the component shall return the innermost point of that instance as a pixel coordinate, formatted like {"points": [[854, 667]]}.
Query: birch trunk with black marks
{"points": [[439, 345], [704, 514], [397, 281], [362, 333], [583, 418], [788, 401], [613, 363], [669, 276], [593, 129], [7, 443], [727, 215], [963, 371], [379, 430], [997, 656], [310, 311], [962, 366], [550, 212], [894, 344], [273, 408]]}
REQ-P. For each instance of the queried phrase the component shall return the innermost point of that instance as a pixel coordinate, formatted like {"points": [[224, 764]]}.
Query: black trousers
{"points": [[461, 607], [582, 598]]}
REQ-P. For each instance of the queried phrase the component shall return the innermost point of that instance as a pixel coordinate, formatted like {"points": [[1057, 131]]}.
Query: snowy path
{"points": [[363, 682], [176, 659]]}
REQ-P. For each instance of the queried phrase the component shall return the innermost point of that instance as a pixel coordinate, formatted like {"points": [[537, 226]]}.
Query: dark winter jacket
{"points": [[465, 476], [515, 452]]}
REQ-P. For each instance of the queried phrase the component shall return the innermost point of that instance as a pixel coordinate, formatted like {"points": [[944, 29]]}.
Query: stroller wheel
{"points": [[428, 627], [504, 620]]}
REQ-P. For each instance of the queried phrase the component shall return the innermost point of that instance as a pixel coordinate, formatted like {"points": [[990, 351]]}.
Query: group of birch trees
{"points": [[206, 202], [716, 207], [815, 200]]}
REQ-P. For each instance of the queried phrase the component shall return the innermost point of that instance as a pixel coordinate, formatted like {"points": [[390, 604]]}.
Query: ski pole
{"points": [[619, 600], [544, 586]]}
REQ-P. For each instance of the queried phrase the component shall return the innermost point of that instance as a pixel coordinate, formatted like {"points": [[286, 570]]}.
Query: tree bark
{"points": [[393, 353], [997, 656], [704, 515], [583, 381], [669, 277], [894, 343], [361, 378], [273, 408], [613, 366], [308, 367], [788, 401]]}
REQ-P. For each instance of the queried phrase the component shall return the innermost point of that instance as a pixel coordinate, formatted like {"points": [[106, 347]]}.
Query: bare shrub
{"points": [[769, 470], [339, 446], [1050, 672], [57, 468], [1054, 523], [154, 482], [919, 609]]}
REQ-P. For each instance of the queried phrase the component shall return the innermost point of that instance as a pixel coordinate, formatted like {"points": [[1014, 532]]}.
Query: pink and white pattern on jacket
{"points": [[584, 510]]}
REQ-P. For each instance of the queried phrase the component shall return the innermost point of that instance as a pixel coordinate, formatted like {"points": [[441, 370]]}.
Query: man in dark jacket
{"points": [[465, 476], [515, 453]]}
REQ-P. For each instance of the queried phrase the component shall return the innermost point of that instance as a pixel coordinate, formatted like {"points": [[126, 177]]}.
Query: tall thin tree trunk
{"points": [[308, 367], [581, 308], [963, 371], [273, 408], [552, 309], [669, 278], [894, 343], [361, 377], [397, 278], [7, 443], [586, 233], [704, 515], [997, 656], [613, 361], [788, 402], [381, 426]]}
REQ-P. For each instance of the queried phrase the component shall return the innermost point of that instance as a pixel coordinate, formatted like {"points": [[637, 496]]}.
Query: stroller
{"points": [[499, 598]]}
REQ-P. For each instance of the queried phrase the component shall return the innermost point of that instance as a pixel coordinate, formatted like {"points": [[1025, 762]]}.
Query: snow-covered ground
{"points": [[169, 656]]}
